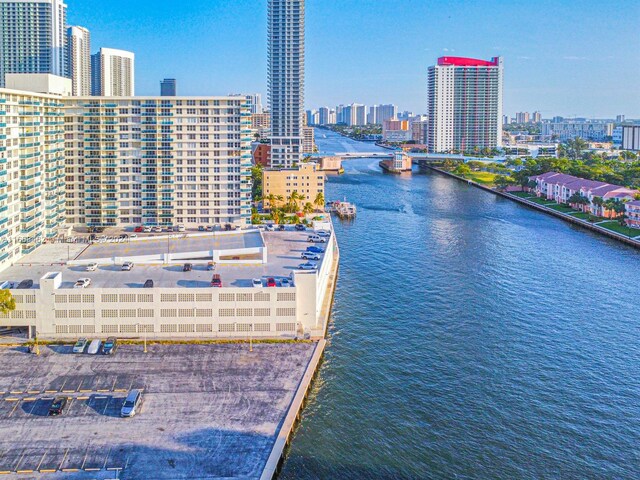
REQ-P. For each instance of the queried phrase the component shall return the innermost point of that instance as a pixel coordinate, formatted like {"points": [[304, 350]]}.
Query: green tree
{"points": [[319, 201], [307, 208], [256, 177], [7, 302]]}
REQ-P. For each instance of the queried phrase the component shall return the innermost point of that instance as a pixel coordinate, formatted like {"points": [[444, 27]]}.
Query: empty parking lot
{"points": [[209, 411]]}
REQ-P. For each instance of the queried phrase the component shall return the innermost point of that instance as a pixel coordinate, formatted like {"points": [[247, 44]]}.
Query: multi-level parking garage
{"points": [[181, 304]]}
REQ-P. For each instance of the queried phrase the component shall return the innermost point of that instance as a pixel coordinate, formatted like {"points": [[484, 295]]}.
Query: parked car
{"points": [[148, 283], [310, 256], [211, 266], [315, 249], [25, 284], [91, 267], [285, 282], [157, 229], [138, 229], [126, 266], [308, 266], [131, 404], [300, 227], [94, 346], [323, 233], [316, 239], [80, 345], [216, 281], [109, 347], [201, 228], [256, 282], [271, 282], [228, 227], [57, 406], [269, 227], [181, 228], [187, 267], [281, 228], [210, 228], [147, 229], [82, 283]]}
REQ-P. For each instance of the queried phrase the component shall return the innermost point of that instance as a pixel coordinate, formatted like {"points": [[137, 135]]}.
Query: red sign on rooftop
{"points": [[468, 62]]}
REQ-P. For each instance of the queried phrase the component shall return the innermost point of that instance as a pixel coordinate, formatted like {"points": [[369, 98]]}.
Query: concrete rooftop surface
{"points": [[283, 250], [177, 243], [208, 411]]}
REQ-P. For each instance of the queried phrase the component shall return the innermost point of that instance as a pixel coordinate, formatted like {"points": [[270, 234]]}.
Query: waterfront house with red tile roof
{"points": [[633, 213], [560, 187]]}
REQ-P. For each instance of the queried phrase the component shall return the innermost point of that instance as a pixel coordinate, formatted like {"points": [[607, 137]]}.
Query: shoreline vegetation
{"points": [[613, 228]]}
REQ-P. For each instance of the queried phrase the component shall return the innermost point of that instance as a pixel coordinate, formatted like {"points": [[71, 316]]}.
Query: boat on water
{"points": [[343, 209]]}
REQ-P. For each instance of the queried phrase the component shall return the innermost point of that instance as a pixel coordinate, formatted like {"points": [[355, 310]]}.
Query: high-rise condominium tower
{"points": [[286, 80], [465, 104], [79, 55], [113, 73], [168, 87], [32, 37]]}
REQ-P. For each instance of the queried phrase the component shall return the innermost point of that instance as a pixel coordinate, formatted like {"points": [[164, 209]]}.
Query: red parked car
{"points": [[271, 282], [138, 229], [216, 281]]}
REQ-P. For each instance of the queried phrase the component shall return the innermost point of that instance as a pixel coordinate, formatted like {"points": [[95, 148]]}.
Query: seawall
{"points": [[547, 210]]}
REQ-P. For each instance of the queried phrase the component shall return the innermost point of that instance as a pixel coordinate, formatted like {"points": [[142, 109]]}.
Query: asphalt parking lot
{"points": [[208, 411]]}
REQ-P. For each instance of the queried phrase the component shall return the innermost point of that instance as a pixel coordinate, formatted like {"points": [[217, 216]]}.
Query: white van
{"points": [[316, 239], [94, 347]]}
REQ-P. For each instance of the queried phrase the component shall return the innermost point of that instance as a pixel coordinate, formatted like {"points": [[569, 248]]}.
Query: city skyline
{"points": [[548, 66]]}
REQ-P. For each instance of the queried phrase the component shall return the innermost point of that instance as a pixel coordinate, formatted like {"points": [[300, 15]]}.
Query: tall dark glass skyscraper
{"points": [[286, 80]]}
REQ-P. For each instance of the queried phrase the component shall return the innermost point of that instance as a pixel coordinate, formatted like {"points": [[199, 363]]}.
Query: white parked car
{"points": [[285, 282], [181, 228], [269, 227], [146, 229], [316, 239], [256, 282], [126, 266], [91, 267], [308, 266], [323, 233], [80, 345], [157, 229], [310, 256], [82, 283]]}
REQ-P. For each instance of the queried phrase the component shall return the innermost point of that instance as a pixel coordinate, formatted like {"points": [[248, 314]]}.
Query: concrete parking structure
{"points": [[208, 411]]}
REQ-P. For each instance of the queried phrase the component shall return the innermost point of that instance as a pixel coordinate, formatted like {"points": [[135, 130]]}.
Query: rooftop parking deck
{"points": [[174, 243], [284, 249], [208, 411]]}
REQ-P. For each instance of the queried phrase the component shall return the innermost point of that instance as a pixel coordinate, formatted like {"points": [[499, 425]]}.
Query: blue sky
{"points": [[570, 58]]}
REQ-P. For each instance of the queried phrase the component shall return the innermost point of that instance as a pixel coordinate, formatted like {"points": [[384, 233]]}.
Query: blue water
{"points": [[472, 338]]}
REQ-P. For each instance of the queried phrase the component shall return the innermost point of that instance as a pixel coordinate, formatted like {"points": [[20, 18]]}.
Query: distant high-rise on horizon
{"points": [[168, 87], [286, 20], [465, 104], [113, 73], [79, 57], [32, 37]]}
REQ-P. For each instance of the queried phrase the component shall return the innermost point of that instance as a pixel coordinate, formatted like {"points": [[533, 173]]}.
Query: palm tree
{"points": [[293, 200], [319, 201], [270, 200], [598, 202], [308, 208]]}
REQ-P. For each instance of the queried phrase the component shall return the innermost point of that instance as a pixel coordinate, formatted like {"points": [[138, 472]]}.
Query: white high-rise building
{"points": [[158, 161], [286, 19], [113, 73], [465, 104], [32, 169], [79, 56], [32, 37]]}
